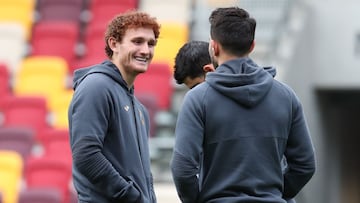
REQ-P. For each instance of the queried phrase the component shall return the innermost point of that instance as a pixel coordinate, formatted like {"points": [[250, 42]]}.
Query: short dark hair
{"points": [[190, 60], [233, 28], [130, 19]]}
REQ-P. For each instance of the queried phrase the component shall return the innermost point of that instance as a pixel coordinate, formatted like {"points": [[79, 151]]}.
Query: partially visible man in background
{"points": [[192, 62]]}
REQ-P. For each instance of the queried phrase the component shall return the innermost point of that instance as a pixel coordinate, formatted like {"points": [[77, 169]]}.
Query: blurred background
{"points": [[315, 46]]}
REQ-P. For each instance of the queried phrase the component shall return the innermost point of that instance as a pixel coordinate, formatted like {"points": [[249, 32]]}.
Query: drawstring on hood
{"points": [[242, 80]]}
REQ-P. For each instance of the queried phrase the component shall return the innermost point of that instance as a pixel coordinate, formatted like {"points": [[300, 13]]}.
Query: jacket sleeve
{"points": [[90, 119], [188, 147], [299, 153]]}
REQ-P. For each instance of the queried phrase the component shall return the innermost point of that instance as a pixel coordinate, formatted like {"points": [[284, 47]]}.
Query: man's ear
{"points": [[112, 43], [215, 48], [208, 68], [252, 46]]}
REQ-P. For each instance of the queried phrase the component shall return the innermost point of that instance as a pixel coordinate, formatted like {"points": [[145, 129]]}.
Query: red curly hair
{"points": [[128, 20]]}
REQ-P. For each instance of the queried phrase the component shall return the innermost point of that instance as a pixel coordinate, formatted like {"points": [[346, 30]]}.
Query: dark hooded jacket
{"points": [[232, 133], [109, 131]]}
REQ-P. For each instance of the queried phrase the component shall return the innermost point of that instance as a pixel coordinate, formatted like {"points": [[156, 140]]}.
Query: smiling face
{"points": [[134, 53]]}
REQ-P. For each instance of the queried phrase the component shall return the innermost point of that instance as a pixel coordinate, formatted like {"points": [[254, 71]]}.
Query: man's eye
{"points": [[151, 44]]}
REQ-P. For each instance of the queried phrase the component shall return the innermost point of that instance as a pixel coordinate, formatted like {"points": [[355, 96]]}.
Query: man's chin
{"points": [[141, 70]]}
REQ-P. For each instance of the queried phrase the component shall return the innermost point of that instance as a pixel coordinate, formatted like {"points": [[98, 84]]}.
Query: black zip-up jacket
{"points": [[109, 131]]}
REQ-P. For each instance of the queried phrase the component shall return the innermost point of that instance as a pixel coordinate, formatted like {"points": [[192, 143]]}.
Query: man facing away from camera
{"points": [[234, 129], [192, 62]]}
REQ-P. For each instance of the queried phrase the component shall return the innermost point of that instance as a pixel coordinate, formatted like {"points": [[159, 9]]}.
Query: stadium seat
{"points": [[170, 10], [94, 47], [102, 11], [63, 10], [59, 109], [13, 45], [174, 30], [18, 11], [103, 14], [128, 3], [55, 38], [166, 50], [11, 169], [157, 81], [5, 79], [56, 144], [94, 41], [23, 4], [172, 37], [43, 76], [25, 111], [40, 195], [47, 172], [19, 139]]}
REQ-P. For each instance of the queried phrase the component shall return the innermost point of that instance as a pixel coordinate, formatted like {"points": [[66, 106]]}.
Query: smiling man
{"points": [[109, 127]]}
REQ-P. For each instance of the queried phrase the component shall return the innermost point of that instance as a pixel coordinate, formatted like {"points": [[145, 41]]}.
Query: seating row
{"points": [[21, 181], [62, 21], [75, 28], [25, 141], [42, 81], [24, 172], [46, 70]]}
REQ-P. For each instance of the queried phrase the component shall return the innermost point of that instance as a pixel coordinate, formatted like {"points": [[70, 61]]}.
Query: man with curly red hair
{"points": [[109, 127]]}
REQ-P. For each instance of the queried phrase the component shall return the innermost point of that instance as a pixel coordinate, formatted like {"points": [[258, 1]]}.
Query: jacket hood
{"points": [[242, 80], [106, 67]]}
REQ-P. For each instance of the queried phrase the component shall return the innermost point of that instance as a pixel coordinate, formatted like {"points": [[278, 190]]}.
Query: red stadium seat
{"points": [[128, 3], [94, 41], [69, 10], [29, 112], [46, 172], [103, 11], [57, 145], [5, 79], [94, 45], [157, 81], [55, 38], [40, 195], [18, 139]]}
